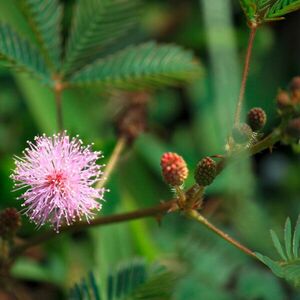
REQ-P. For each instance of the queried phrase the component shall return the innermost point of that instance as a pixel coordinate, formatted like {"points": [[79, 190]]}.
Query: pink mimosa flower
{"points": [[59, 173]]}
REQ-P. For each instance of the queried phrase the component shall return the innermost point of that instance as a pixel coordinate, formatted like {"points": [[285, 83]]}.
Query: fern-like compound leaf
{"points": [[133, 281], [290, 271], [281, 8], [45, 18], [289, 268], [260, 11], [273, 265], [250, 9], [19, 54], [296, 239], [288, 238], [96, 25], [277, 245], [146, 66], [95, 290]]}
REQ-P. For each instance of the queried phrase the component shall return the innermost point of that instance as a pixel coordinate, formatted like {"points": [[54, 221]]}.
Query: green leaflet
{"points": [[249, 7], [21, 55], [93, 36], [260, 11], [289, 267], [277, 245], [296, 239], [45, 18], [289, 271], [256, 10], [281, 8], [288, 238], [96, 25], [144, 66], [132, 281]]}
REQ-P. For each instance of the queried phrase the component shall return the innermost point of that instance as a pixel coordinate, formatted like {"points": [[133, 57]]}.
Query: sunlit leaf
{"points": [[96, 25], [19, 54], [146, 66], [45, 17]]}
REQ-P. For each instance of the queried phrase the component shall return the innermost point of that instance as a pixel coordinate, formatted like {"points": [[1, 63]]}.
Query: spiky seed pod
{"points": [[283, 100], [256, 118], [242, 133], [206, 171], [293, 129], [174, 169], [295, 89], [10, 222]]}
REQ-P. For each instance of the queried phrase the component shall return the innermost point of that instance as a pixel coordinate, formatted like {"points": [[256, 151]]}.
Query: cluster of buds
{"points": [[293, 130], [10, 222], [295, 90], [174, 168], [283, 101], [289, 101], [245, 132], [175, 172]]}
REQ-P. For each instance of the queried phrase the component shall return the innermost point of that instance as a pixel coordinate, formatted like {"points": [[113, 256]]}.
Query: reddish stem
{"points": [[199, 218], [253, 29], [155, 211]]}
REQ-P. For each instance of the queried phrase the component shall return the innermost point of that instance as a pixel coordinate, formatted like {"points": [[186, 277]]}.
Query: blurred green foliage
{"points": [[246, 200]]}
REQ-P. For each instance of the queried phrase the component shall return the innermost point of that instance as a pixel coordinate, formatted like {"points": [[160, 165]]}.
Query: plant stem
{"points": [[253, 29], [267, 142], [199, 218], [117, 218], [121, 143], [138, 214]]}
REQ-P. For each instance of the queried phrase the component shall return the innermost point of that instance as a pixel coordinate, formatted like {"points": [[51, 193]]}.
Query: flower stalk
{"points": [[195, 215], [154, 211], [253, 29], [113, 161]]}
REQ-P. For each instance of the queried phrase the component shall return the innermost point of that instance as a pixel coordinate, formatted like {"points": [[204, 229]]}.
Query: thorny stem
{"points": [[199, 218], [267, 142], [138, 214], [181, 196], [114, 158], [154, 211], [253, 29]]}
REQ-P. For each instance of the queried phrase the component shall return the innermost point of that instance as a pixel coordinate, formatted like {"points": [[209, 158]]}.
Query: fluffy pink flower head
{"points": [[59, 173]]}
